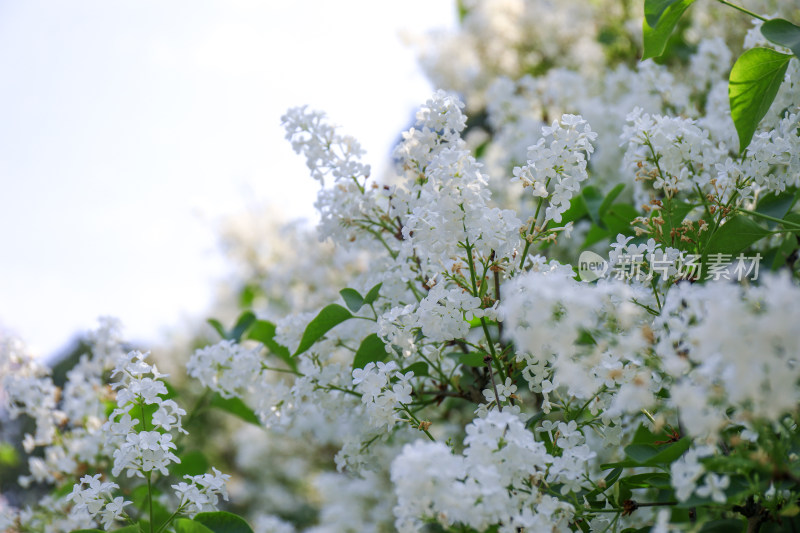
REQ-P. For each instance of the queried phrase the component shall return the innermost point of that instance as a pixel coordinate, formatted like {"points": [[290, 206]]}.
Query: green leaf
{"points": [[658, 480], [193, 463], [244, 322], [619, 217], [653, 9], [656, 37], [172, 392], [264, 332], [784, 33], [184, 525], [129, 529], [777, 205], [609, 199], [650, 455], [595, 235], [784, 251], [236, 407], [735, 235], [223, 522], [373, 294], [126, 529], [419, 369], [641, 453], [371, 350], [673, 213], [326, 320], [473, 359], [8, 455], [217, 325], [723, 526], [670, 453], [610, 479], [248, 295], [352, 298], [755, 79], [593, 200], [644, 436], [576, 210]]}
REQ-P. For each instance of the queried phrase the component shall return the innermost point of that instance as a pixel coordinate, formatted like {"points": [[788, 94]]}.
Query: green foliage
{"points": [[371, 350], [783, 33], [223, 522], [609, 199], [129, 529], [473, 359], [263, 331], [419, 369], [648, 450], [653, 9], [185, 525], [243, 323], [754, 82], [735, 235], [777, 205], [673, 213], [8, 455], [218, 327], [193, 463], [656, 37], [330, 317], [236, 407], [126, 529], [373, 294], [352, 299], [723, 526]]}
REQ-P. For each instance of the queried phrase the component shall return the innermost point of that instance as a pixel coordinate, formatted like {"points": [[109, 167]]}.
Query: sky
{"points": [[130, 128]]}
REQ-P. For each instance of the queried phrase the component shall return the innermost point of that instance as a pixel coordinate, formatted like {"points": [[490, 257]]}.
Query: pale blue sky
{"points": [[127, 128]]}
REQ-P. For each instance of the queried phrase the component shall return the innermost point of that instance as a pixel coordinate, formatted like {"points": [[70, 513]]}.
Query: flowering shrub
{"points": [[576, 312]]}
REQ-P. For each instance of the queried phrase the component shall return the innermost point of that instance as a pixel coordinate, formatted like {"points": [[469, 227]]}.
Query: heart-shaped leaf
{"points": [[755, 79]]}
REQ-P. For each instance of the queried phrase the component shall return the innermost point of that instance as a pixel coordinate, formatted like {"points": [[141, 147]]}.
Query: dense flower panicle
{"points": [[382, 398], [141, 443], [445, 200], [329, 153], [510, 38], [202, 492], [140, 452], [601, 362], [557, 164], [432, 482], [68, 420], [28, 389], [546, 312], [672, 152], [97, 500], [709, 335], [226, 367], [528, 384], [326, 151], [773, 163]]}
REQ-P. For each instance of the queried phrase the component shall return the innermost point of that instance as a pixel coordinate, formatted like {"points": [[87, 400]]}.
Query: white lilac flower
{"points": [[326, 151], [226, 367], [500, 453], [95, 497], [556, 164], [380, 398], [714, 487], [202, 492]]}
